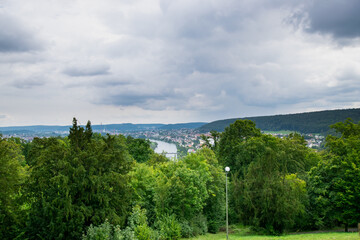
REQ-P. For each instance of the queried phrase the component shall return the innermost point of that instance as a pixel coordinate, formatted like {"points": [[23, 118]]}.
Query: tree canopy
{"points": [[334, 183], [92, 186], [72, 185]]}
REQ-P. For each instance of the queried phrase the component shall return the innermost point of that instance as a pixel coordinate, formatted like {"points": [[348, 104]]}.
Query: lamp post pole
{"points": [[227, 170]]}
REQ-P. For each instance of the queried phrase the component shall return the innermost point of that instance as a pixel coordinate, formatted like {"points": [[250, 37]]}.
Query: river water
{"points": [[169, 148]]}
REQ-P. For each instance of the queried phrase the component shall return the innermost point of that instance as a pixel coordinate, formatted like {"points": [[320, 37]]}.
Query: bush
{"points": [[196, 226], [102, 232], [199, 225], [169, 228], [186, 229], [127, 234], [138, 223]]}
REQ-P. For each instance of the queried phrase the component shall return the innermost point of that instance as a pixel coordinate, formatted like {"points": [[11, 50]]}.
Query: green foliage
{"points": [[334, 187], [107, 231], [194, 227], [156, 159], [74, 185], [12, 177], [143, 182], [262, 192], [89, 182], [137, 229], [139, 149], [102, 232], [191, 189], [168, 227], [334, 183], [138, 222], [269, 198], [79, 136], [234, 135], [214, 208]]}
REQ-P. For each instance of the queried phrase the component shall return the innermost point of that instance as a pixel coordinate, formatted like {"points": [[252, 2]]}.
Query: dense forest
{"points": [[310, 122], [88, 186]]}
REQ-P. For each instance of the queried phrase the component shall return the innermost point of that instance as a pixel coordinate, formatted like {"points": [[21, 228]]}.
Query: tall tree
{"points": [[77, 136], [74, 185], [266, 193], [232, 137], [334, 186]]}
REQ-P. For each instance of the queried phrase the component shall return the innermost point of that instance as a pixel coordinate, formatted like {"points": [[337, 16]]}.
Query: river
{"points": [[169, 148]]}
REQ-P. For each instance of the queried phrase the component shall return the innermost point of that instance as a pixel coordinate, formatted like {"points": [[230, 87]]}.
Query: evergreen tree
{"points": [[74, 185]]}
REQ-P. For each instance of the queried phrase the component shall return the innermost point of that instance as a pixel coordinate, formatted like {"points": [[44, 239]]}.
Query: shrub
{"points": [[102, 232], [169, 228]]}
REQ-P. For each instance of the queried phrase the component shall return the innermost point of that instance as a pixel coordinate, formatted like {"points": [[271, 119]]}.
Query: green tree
{"points": [[334, 183], [262, 193], [265, 194], [143, 182], [12, 177], [230, 139], [193, 191], [139, 149], [214, 209], [74, 185], [156, 159]]}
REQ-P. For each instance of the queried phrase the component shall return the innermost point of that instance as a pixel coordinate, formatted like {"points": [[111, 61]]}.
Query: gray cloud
{"points": [[110, 83], [29, 83], [142, 100], [339, 18], [2, 116], [178, 60], [14, 37], [87, 69]]}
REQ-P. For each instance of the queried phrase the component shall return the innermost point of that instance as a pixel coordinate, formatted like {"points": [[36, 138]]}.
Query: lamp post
{"points": [[227, 170]]}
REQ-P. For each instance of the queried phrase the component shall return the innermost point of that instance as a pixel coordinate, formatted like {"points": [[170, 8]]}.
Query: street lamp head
{"points": [[227, 169]]}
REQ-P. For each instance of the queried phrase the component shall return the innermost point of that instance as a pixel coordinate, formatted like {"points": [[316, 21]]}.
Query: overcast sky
{"points": [[172, 61]]}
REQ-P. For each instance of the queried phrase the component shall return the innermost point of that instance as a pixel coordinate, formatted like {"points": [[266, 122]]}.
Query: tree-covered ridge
{"points": [[310, 122]]}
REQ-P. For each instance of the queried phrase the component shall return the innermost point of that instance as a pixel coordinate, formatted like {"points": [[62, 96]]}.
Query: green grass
{"points": [[239, 232], [308, 236]]}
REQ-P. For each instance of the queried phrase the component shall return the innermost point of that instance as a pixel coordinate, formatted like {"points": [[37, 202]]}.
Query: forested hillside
{"points": [[310, 122]]}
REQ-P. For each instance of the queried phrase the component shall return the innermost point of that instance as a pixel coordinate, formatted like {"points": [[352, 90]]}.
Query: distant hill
{"points": [[309, 122], [183, 125]]}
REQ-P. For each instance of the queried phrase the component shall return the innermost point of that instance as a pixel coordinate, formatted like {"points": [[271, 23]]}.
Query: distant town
{"points": [[186, 140]]}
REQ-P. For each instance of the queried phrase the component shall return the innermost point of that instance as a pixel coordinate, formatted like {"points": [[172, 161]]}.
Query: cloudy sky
{"points": [[171, 61]]}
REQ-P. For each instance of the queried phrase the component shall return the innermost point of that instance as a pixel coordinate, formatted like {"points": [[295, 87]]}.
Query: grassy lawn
{"points": [[239, 232], [313, 236]]}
